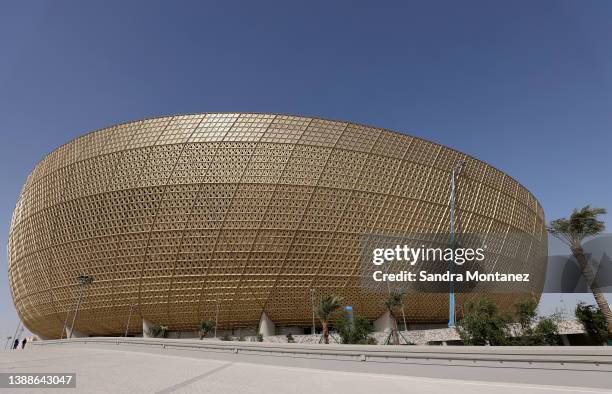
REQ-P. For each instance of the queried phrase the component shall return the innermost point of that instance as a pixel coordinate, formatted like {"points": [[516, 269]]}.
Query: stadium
{"points": [[230, 216]]}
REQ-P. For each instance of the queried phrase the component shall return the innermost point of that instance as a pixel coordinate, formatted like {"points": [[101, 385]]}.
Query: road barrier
{"points": [[596, 358]]}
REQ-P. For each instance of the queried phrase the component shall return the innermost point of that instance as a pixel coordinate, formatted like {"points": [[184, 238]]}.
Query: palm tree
{"points": [[583, 223], [401, 296], [205, 327], [393, 302], [327, 307]]}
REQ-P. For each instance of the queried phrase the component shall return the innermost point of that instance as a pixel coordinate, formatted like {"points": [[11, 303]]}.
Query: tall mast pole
{"points": [[451, 293]]}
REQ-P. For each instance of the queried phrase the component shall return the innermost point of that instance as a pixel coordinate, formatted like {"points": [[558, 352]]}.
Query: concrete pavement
{"points": [[133, 370]]}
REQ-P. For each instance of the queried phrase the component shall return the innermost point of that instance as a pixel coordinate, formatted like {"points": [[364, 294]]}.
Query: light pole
{"points": [[21, 334], [451, 294], [83, 281], [127, 326], [312, 294], [65, 323], [17, 330], [217, 317]]}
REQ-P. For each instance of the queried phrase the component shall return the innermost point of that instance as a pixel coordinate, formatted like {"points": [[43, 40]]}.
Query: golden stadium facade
{"points": [[243, 212]]}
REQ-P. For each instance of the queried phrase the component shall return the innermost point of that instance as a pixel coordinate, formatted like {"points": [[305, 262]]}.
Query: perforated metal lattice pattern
{"points": [[249, 211]]}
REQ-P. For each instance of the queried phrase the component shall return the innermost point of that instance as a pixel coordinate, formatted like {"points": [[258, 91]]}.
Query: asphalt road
{"points": [[126, 370]]}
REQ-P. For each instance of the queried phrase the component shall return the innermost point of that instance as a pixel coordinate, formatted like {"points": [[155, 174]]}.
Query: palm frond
{"points": [[581, 224]]}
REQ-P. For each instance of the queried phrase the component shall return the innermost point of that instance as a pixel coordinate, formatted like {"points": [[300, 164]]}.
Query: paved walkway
{"points": [[131, 371]]}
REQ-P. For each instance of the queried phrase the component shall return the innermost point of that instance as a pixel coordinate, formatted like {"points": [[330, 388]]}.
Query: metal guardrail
{"points": [[593, 356]]}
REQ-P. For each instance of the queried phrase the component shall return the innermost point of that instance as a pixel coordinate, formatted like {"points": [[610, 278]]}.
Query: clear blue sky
{"points": [[523, 85]]}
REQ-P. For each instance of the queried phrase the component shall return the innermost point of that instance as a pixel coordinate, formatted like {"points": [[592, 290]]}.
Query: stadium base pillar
{"points": [[146, 326], [75, 334], [267, 328], [385, 323]]}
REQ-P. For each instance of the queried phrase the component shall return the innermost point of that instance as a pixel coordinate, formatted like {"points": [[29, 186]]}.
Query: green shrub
{"points": [[547, 332], [290, 338], [355, 332], [593, 321], [205, 327], [482, 324], [534, 331], [157, 331]]}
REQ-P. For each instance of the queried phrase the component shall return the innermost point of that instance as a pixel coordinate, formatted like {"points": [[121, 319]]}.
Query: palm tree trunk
{"points": [[325, 331], [395, 329], [404, 318], [589, 276]]}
